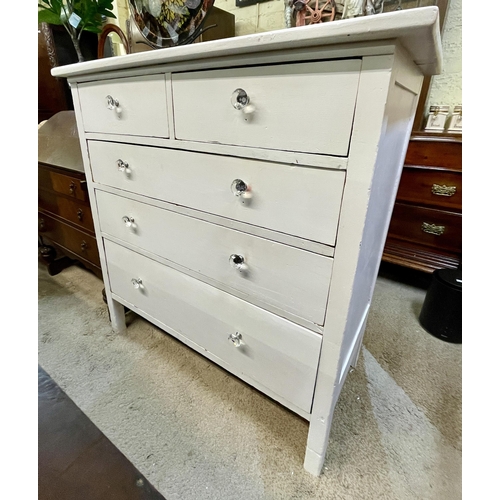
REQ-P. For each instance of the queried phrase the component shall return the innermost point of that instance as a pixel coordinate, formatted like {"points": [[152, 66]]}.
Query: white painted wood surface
{"points": [[141, 109], [417, 30], [303, 202], [288, 278], [325, 204], [279, 354], [306, 107]]}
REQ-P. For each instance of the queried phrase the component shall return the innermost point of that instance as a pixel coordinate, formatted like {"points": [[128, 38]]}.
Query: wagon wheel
{"points": [[323, 11]]}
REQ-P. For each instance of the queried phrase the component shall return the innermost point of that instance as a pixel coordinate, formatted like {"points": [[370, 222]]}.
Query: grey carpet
{"points": [[197, 432]]}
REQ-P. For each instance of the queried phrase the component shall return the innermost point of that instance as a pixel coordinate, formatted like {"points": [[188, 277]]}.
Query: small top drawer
{"points": [[130, 106], [430, 187], [304, 107]]}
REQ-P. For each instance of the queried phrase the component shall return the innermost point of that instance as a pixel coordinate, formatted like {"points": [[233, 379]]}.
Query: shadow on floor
{"points": [[76, 461]]}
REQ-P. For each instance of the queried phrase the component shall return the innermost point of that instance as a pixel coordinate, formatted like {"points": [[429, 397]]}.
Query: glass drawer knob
{"points": [[238, 187], [236, 339], [136, 283], [129, 221], [122, 165], [240, 99], [237, 261], [112, 102]]}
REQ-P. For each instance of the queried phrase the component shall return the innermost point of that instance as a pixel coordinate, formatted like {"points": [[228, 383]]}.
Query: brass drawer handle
{"points": [[427, 227], [84, 246], [443, 190], [79, 214], [72, 187]]}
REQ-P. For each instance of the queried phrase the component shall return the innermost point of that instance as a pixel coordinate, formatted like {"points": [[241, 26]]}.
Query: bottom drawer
{"points": [[426, 226], [78, 242], [274, 352]]}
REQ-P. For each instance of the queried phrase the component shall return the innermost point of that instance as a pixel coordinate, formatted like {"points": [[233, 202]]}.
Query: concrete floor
{"points": [[197, 432]]}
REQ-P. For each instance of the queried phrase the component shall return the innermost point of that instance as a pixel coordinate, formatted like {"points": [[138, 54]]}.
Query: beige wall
{"points": [[446, 88]]}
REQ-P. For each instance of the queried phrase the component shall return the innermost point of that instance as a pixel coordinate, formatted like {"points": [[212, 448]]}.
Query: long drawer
{"points": [[129, 106], [301, 201], [288, 278], [62, 184], [74, 211], [274, 352], [306, 107], [426, 226], [432, 187], [72, 239]]}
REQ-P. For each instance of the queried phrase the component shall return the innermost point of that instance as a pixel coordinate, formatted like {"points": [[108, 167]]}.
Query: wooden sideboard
{"points": [[65, 226], [425, 232]]}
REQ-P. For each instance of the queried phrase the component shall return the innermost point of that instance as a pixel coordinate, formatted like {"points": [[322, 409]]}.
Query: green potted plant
{"points": [[76, 16]]}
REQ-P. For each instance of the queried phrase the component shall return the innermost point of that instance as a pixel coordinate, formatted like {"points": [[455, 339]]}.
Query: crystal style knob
{"points": [[129, 221], [240, 99], [236, 339], [136, 283], [122, 165], [238, 187], [112, 102], [237, 261]]}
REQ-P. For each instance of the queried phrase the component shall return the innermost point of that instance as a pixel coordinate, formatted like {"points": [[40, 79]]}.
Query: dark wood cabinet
{"points": [[65, 226], [425, 232]]}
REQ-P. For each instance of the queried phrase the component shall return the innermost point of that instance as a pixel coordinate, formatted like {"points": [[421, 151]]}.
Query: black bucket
{"points": [[441, 313]]}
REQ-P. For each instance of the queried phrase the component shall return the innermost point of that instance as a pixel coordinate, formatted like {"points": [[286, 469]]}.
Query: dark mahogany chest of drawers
{"points": [[425, 231], [65, 226]]}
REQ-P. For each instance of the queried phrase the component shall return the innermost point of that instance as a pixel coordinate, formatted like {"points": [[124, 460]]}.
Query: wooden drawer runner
{"points": [[71, 210], [276, 353], [141, 108], [278, 196], [306, 107], [285, 277], [437, 188], [433, 228], [78, 242]]}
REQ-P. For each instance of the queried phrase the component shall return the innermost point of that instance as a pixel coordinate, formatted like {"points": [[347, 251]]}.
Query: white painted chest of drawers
{"points": [[242, 191]]}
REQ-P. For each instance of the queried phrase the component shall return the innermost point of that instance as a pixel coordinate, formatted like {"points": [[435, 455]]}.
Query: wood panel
{"points": [[80, 243], [74, 211], [276, 94], [278, 196], [141, 112], [275, 352], [431, 187], [407, 223]]}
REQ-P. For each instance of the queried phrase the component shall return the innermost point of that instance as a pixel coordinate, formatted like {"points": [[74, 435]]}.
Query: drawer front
{"points": [[275, 352], [78, 242], [141, 108], [63, 184], [306, 107], [432, 153], [425, 226], [278, 196], [73, 211], [431, 187], [291, 279]]}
